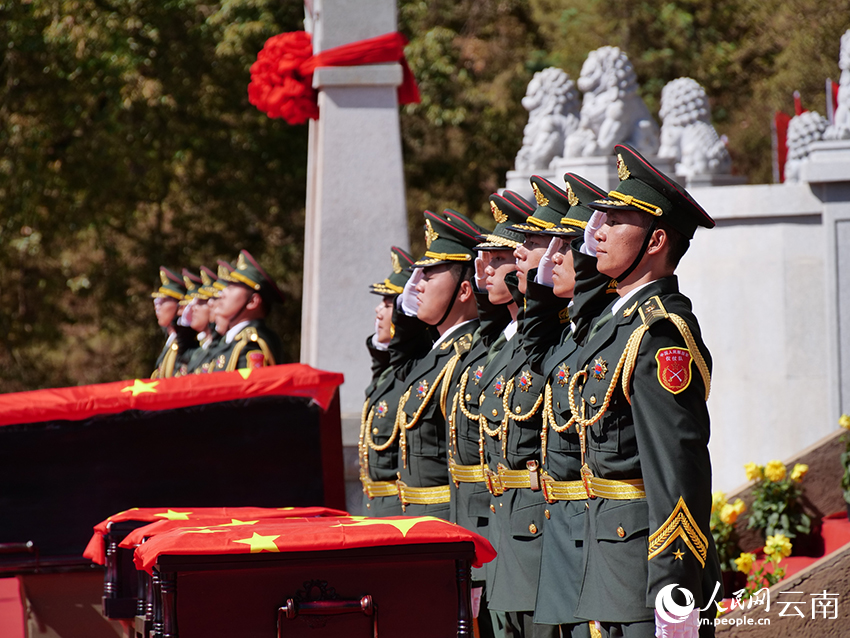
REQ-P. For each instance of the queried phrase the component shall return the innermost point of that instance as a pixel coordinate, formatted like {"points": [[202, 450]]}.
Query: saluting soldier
{"points": [[511, 418], [497, 312], [166, 301], [198, 315], [379, 437], [204, 360], [640, 390], [551, 341], [243, 306], [438, 294]]}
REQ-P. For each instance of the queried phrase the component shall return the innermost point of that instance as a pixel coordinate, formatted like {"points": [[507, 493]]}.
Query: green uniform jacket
{"points": [[424, 409], [166, 362], [255, 337], [378, 437], [202, 354], [633, 548]]}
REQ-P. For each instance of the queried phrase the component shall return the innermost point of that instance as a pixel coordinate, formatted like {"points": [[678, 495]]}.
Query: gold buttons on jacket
{"points": [[621, 532], [493, 508], [517, 409], [593, 399], [532, 528], [469, 397], [495, 412], [546, 513], [375, 430]]}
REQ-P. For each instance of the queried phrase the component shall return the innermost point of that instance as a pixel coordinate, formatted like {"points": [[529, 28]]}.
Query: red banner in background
{"points": [[82, 402], [282, 77]]}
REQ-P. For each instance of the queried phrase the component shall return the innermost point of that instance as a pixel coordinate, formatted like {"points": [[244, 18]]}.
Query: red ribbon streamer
{"points": [[282, 77]]}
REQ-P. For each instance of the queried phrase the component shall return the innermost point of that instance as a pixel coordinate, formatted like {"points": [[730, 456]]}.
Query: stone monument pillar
{"points": [[355, 197]]}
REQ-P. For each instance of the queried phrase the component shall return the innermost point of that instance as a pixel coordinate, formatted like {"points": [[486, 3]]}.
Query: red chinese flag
{"points": [[309, 534]]}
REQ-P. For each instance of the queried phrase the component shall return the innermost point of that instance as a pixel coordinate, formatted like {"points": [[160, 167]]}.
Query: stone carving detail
{"points": [[552, 103], [612, 112], [687, 136], [840, 130], [803, 130]]}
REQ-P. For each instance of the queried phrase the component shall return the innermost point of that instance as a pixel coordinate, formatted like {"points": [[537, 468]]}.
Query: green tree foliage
{"points": [[126, 142]]}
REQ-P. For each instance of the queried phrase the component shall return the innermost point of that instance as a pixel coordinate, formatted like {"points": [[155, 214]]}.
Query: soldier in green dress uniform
{"points": [[204, 359], [198, 315], [549, 338], [244, 304], [166, 301], [640, 388], [439, 294], [511, 417], [378, 443]]}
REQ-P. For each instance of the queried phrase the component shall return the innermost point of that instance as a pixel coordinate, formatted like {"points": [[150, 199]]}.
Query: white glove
{"points": [[409, 299], [476, 600], [688, 628], [480, 275], [546, 265], [597, 220], [186, 318]]}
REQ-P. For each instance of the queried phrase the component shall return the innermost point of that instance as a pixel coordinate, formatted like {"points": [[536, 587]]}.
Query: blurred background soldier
{"points": [[166, 305]]}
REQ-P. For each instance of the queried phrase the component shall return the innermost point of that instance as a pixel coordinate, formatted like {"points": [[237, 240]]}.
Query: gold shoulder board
{"points": [[652, 310], [463, 344]]}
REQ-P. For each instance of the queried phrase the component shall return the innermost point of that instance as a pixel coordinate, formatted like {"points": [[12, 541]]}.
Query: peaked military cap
{"points": [[644, 188], [249, 274], [508, 209], [172, 286], [208, 279], [193, 285], [402, 261], [580, 193], [223, 275], [449, 238], [552, 206]]}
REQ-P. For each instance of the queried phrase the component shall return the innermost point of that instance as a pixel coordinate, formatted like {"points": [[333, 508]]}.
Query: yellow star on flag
{"points": [[403, 526], [139, 387], [235, 521], [171, 515], [245, 372], [678, 554], [202, 530], [260, 543]]}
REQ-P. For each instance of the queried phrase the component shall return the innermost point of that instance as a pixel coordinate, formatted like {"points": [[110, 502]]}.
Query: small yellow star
{"points": [[678, 554], [260, 543], [235, 521], [245, 372], [202, 530], [403, 526], [171, 515], [140, 387]]}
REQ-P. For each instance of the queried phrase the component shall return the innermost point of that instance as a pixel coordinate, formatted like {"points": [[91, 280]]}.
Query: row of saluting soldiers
{"points": [[215, 321], [544, 384]]}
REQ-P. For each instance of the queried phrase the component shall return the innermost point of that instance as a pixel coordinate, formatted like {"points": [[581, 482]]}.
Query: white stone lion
{"points": [[687, 136], [803, 130], [612, 112], [552, 103], [840, 129]]}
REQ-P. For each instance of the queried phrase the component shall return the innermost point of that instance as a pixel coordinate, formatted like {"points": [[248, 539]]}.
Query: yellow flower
{"points": [[754, 472], [718, 500], [728, 514], [740, 506], [799, 471], [778, 544], [844, 421], [774, 471], [744, 562]]}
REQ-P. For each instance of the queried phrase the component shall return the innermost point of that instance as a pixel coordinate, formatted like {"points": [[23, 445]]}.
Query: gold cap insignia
{"points": [[205, 278], [190, 285], [571, 196], [241, 264], [430, 233], [163, 277], [622, 170], [396, 263], [223, 273], [498, 215], [540, 197]]}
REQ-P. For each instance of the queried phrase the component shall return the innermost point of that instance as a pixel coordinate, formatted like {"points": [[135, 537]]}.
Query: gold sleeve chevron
{"points": [[680, 524]]}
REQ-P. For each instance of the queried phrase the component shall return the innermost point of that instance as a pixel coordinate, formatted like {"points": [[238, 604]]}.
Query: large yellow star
{"points": [[171, 515], [403, 525], [260, 543], [140, 387]]}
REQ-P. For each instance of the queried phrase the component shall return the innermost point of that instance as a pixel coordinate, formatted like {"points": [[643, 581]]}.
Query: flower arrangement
{"points": [[723, 518], [776, 507], [844, 422], [776, 548]]}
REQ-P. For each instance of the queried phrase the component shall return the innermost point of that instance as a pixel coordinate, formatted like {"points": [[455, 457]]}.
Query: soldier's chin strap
{"points": [[641, 252], [463, 270]]}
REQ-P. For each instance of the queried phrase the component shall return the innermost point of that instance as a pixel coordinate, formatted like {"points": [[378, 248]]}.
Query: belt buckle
{"points": [[586, 478], [533, 468], [494, 482], [546, 485]]}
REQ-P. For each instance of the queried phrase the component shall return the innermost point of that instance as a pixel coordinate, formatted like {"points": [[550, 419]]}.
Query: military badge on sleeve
{"points": [[256, 359], [674, 369]]}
